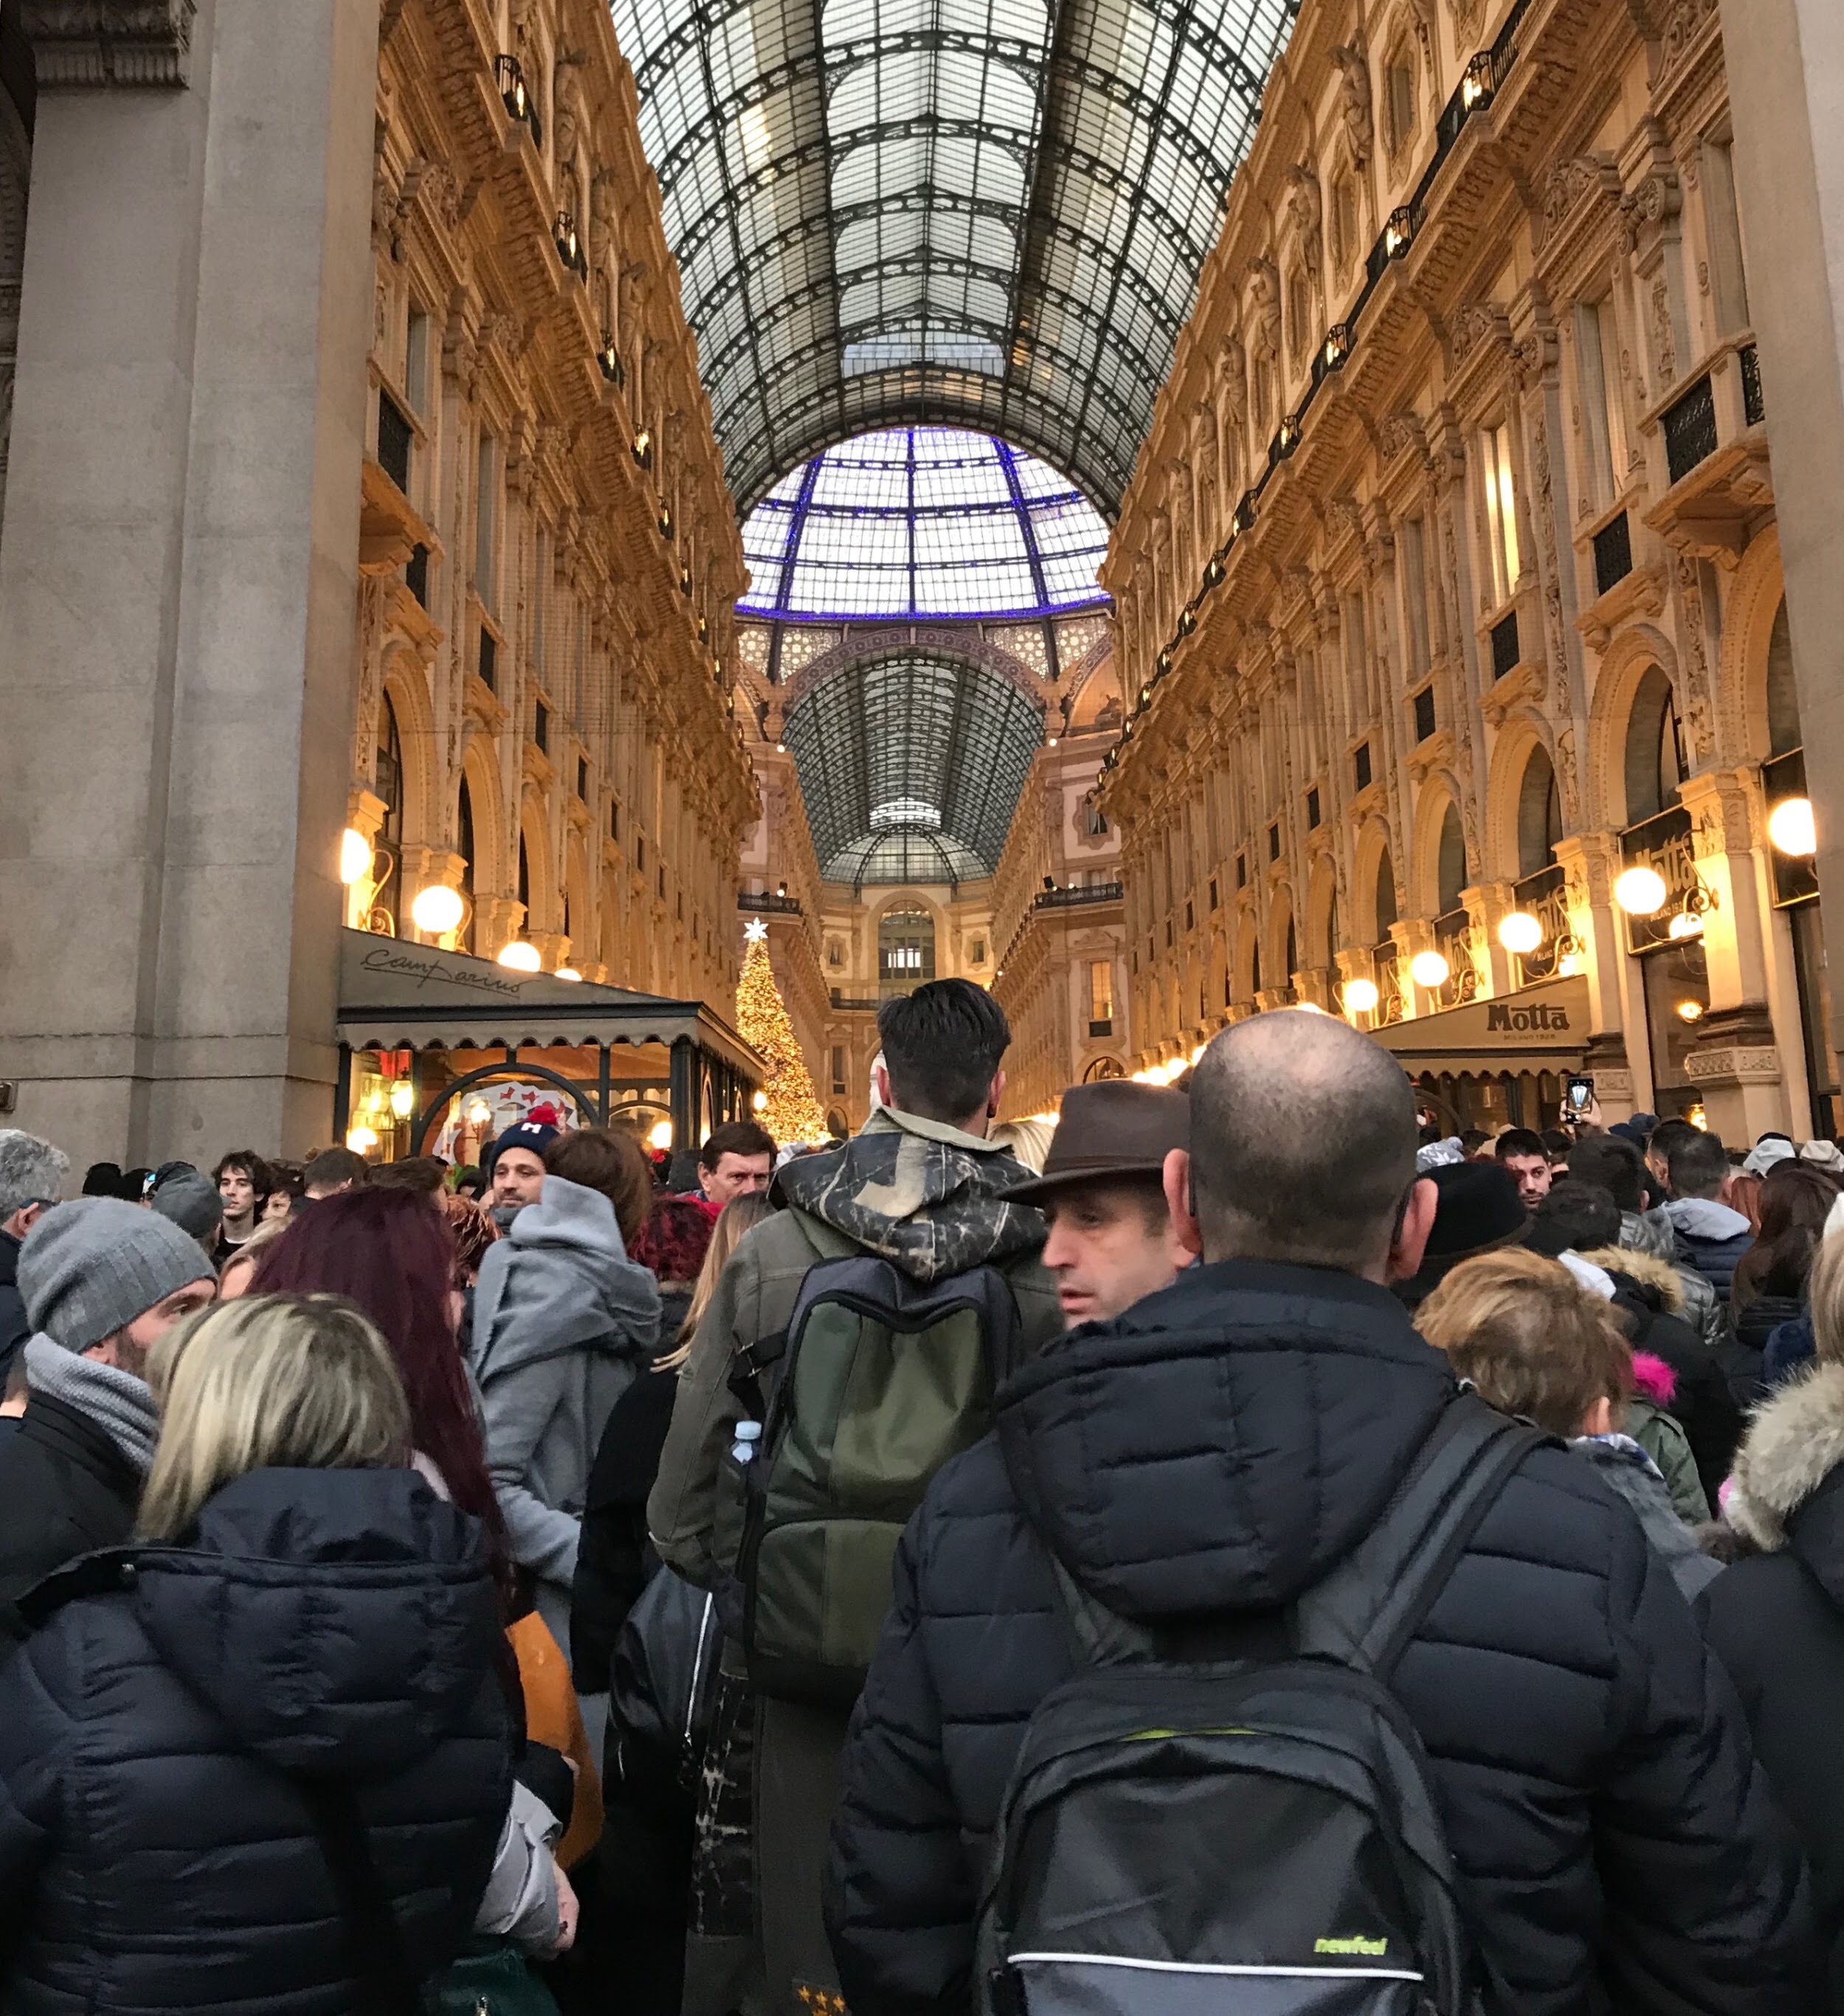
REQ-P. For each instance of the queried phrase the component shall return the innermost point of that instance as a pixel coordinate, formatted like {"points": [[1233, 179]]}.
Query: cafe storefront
{"points": [[1498, 1062], [439, 1051]]}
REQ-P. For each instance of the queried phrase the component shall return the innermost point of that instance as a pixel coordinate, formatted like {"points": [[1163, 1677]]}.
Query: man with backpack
{"points": [[853, 1343], [1090, 1770]]}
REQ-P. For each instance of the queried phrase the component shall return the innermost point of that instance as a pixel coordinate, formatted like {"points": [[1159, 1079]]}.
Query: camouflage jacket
{"points": [[925, 1196]]}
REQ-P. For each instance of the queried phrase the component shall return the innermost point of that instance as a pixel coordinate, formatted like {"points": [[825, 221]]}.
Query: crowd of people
{"points": [[1267, 1552]]}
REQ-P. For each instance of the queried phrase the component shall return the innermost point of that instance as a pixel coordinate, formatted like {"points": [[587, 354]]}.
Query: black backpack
{"points": [[876, 1381], [1234, 1814]]}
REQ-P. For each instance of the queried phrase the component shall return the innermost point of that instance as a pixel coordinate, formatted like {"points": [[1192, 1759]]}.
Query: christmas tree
{"points": [[792, 1112]]}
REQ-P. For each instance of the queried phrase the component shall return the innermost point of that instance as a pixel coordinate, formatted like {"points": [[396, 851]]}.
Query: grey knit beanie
{"points": [[191, 1201], [87, 1268]]}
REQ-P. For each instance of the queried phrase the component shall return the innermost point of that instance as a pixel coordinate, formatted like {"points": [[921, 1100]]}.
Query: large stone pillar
{"points": [[178, 574], [1785, 63]]}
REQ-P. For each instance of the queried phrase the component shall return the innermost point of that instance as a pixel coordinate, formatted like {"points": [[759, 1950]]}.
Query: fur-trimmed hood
{"points": [[1794, 1443], [1647, 1269]]}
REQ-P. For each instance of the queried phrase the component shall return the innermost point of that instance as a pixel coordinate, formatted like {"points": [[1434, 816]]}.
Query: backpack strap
{"points": [[1365, 1612], [376, 1962]]}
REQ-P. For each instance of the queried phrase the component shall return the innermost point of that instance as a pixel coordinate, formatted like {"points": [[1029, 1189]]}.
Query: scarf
{"points": [[117, 1402]]}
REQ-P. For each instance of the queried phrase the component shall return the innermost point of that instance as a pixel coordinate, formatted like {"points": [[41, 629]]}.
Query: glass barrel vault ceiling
{"points": [[911, 768], [987, 211], [923, 521]]}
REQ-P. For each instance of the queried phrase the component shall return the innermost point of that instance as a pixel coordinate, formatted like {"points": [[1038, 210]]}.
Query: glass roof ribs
{"points": [[988, 210], [950, 740]]}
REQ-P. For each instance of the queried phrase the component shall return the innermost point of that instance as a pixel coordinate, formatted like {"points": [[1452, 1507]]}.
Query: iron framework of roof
{"points": [[989, 213], [919, 750]]}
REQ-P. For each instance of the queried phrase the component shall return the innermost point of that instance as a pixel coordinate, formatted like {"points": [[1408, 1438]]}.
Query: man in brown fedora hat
{"points": [[1111, 1238]]}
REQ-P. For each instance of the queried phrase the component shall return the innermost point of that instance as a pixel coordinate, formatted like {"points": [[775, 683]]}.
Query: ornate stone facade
{"points": [[1471, 599], [550, 557]]}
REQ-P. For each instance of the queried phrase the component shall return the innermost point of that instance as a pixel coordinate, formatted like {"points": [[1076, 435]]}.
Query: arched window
{"points": [[1540, 813], [524, 882], [387, 774], [1293, 955], [1450, 874], [1654, 749], [1783, 733], [1385, 896], [464, 844], [1331, 929], [905, 950]]}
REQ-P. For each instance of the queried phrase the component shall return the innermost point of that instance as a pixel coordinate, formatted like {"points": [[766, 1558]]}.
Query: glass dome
{"points": [[908, 855], [923, 522]]}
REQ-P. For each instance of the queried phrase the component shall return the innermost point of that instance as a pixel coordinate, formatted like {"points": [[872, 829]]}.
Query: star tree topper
{"points": [[754, 931]]}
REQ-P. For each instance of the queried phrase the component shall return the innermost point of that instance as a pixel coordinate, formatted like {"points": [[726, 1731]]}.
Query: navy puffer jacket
{"points": [[1223, 1445], [155, 1853]]}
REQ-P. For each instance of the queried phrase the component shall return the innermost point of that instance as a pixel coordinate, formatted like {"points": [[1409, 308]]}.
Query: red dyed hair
{"points": [[389, 1252], [675, 1238]]}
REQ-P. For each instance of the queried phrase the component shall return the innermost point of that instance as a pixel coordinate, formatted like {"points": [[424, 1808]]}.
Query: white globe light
{"points": [[403, 1098], [1790, 828], [1684, 925], [1519, 933], [355, 857], [567, 973], [1641, 892], [361, 1139], [661, 1135], [1429, 968], [759, 1102], [521, 957], [438, 909], [1361, 996]]}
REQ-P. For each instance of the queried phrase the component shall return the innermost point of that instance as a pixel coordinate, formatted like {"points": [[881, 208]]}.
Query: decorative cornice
{"points": [[84, 44]]}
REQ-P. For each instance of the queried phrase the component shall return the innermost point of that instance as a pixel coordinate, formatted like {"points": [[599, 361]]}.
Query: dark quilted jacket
{"points": [[1224, 1445], [155, 1855]]}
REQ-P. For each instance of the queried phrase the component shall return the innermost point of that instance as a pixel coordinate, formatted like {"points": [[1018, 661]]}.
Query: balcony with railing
{"points": [[1715, 449], [779, 904], [1077, 895]]}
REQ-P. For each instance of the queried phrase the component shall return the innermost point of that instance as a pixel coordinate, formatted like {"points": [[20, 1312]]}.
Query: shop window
{"points": [[1450, 873], [1783, 733], [1501, 510], [1655, 766], [1384, 897], [1540, 813]]}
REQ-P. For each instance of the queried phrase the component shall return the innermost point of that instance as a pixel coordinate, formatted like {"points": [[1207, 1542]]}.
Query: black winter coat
{"points": [[65, 1488], [614, 1556], [14, 1329], [1777, 1620], [1221, 1446], [156, 1854]]}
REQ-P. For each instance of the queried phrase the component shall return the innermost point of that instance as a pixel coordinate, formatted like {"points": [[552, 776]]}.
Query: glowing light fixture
{"points": [[361, 1140], [1308, 1007], [1641, 892], [520, 956], [1478, 87], [403, 1098], [1361, 996], [477, 1113], [1790, 828], [1688, 1010], [438, 909], [661, 1137], [567, 973], [355, 857], [1398, 233], [1197, 1055], [1686, 924], [1521, 933], [1429, 968], [759, 1102], [1337, 346]]}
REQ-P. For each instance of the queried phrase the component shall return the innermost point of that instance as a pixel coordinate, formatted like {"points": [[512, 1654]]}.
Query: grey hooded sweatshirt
{"points": [[562, 1321]]}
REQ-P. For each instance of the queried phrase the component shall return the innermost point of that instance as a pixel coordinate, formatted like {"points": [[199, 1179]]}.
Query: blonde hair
{"points": [[1532, 1339], [742, 1214], [297, 1381], [1824, 1292]]}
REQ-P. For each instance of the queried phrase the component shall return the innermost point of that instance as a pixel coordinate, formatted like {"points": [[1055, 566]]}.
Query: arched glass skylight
{"points": [[923, 521]]}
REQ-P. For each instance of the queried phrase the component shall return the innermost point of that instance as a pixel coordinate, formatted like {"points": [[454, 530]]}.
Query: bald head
{"points": [[1303, 1142]]}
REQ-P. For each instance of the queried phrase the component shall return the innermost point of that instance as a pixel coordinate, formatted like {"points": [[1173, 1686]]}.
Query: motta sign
{"points": [[1513, 1018], [1550, 1019]]}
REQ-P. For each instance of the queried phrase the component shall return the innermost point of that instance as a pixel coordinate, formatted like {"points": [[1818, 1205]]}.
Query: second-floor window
{"points": [[1413, 548], [1101, 990], [1501, 510], [415, 363], [1603, 420]]}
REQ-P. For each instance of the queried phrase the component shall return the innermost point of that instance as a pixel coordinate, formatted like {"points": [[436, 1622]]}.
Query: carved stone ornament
{"points": [[1687, 21], [1354, 102], [1573, 181], [1397, 431], [1467, 14], [83, 43], [1476, 322]]}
